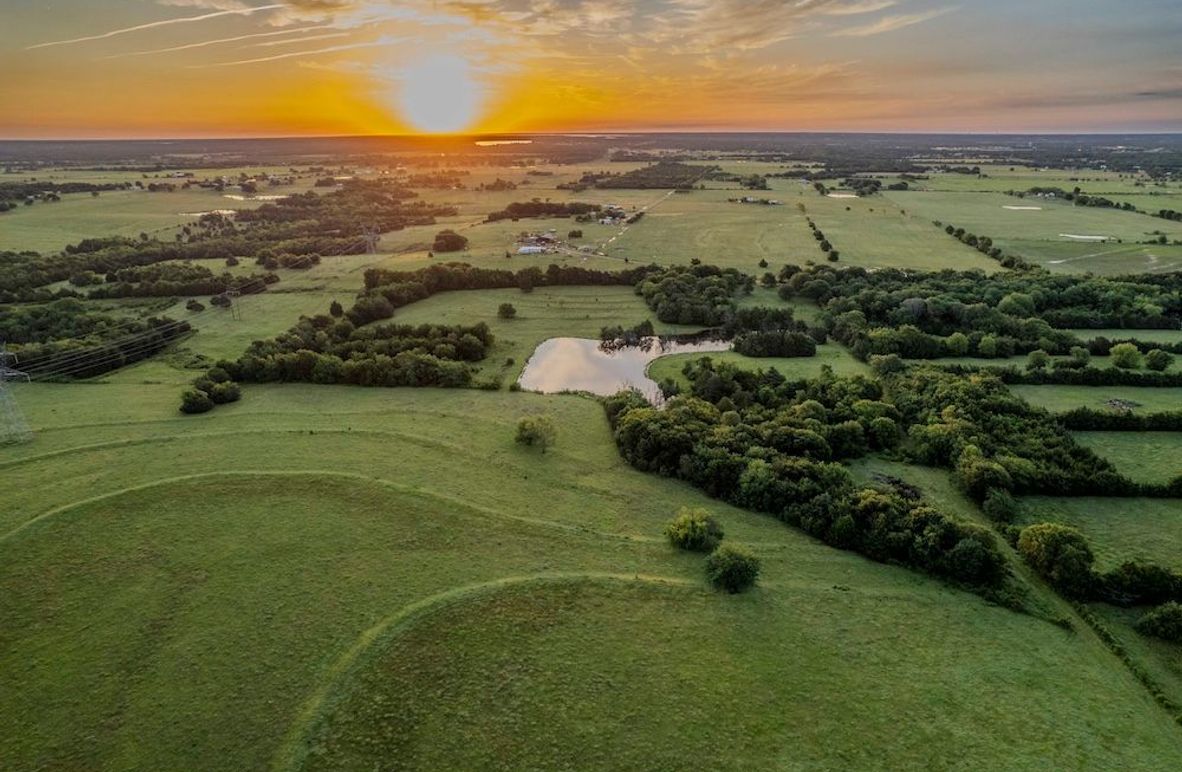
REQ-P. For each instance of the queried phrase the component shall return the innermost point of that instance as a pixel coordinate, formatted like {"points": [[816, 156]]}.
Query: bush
{"points": [[1061, 555], [195, 401], [1158, 360], [694, 530], [506, 311], [536, 430], [1125, 356], [732, 567], [336, 309], [224, 393], [1000, 506], [1163, 622], [449, 241]]}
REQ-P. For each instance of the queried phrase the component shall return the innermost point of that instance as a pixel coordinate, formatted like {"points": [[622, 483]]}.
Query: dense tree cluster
{"points": [[759, 442], [695, 294], [322, 349], [663, 174], [985, 246], [775, 343], [524, 209], [992, 439], [1077, 197]]}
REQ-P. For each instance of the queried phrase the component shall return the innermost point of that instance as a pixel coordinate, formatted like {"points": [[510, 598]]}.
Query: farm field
{"points": [[1059, 399], [1119, 529], [1038, 235], [49, 227], [415, 503], [792, 368], [1150, 457]]}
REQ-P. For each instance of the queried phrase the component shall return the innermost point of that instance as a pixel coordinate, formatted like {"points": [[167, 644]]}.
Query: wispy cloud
{"points": [[155, 24], [305, 39], [385, 41], [219, 41], [892, 23]]}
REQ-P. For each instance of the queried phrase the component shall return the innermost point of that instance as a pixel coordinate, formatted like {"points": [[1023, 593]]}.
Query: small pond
{"points": [[581, 364]]}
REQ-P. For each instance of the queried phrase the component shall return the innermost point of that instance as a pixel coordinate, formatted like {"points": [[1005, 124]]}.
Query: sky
{"points": [[206, 68]]}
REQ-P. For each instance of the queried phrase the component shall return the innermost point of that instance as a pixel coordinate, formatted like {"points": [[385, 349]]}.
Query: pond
{"points": [[581, 364]]}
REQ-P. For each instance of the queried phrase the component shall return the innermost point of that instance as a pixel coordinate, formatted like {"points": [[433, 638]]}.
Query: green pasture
{"points": [[1059, 399], [792, 368], [335, 577], [1149, 457], [1118, 529]]}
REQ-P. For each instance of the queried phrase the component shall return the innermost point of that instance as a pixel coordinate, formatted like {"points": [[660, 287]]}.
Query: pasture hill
{"points": [[284, 503]]}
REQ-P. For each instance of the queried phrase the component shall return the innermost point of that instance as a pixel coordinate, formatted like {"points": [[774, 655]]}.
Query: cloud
{"points": [[162, 23], [383, 41], [219, 41], [892, 23], [305, 39]]}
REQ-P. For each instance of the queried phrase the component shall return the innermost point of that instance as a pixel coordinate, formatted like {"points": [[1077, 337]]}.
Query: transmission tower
{"points": [[13, 428], [235, 305], [372, 237]]}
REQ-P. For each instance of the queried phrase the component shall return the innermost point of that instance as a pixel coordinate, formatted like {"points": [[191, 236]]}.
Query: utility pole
{"points": [[13, 428]]}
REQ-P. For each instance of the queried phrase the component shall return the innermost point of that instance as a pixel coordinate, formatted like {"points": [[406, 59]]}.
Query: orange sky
{"points": [[159, 68]]}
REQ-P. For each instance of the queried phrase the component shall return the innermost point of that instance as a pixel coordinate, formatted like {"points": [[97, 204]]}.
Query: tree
{"points": [[336, 309], [694, 530], [536, 431], [1038, 360], [449, 241], [1163, 622], [1061, 555], [506, 311], [732, 567], [1158, 360], [195, 401], [1125, 356]]}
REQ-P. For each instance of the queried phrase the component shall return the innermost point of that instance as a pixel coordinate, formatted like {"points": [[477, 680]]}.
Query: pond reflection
{"points": [[581, 364]]}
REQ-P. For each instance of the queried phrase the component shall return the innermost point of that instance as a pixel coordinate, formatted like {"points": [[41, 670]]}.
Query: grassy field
{"points": [[1118, 529], [792, 368], [1059, 399], [1038, 235], [48, 227], [1151, 457], [1162, 660], [388, 552]]}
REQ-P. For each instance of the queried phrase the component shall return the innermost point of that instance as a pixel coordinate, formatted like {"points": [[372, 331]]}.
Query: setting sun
{"points": [[439, 94]]}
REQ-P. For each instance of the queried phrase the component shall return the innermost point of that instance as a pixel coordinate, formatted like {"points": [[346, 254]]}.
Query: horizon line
{"points": [[622, 132]]}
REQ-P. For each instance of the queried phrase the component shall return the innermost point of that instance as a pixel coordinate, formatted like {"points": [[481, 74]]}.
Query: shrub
{"points": [[732, 567], [449, 241], [336, 309], [1000, 506], [1061, 555], [1125, 356], [506, 311], [1038, 360], [225, 392], [694, 530], [536, 430], [1158, 360], [195, 401], [1163, 622]]}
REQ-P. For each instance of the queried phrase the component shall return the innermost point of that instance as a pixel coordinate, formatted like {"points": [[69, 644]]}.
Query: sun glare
{"points": [[439, 94]]}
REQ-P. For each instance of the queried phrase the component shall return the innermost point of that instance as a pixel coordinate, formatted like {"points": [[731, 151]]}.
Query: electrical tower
{"points": [[235, 306], [13, 428], [372, 237]]}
